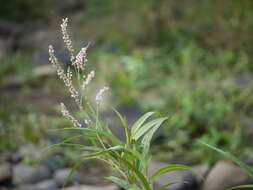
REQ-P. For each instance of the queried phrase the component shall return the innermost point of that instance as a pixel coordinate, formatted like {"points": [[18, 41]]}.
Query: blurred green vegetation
{"points": [[18, 64], [190, 59], [204, 100], [21, 10]]}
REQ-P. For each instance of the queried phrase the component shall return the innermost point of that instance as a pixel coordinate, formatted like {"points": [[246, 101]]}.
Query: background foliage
{"points": [[190, 59]]}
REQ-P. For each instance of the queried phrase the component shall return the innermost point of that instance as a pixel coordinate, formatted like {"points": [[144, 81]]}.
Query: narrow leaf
{"points": [[140, 121], [145, 128], [166, 185], [139, 175], [124, 124], [99, 132], [244, 166], [71, 139], [148, 137], [122, 183], [169, 168], [73, 169], [241, 186]]}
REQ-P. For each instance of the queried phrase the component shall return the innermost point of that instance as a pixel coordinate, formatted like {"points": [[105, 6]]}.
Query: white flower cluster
{"points": [[87, 121], [86, 82], [67, 78], [100, 94], [81, 59], [66, 114], [78, 62], [66, 38]]}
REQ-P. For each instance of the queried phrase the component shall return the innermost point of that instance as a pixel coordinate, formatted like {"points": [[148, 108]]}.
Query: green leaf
{"points": [[71, 139], [244, 166], [140, 121], [82, 147], [73, 169], [147, 127], [148, 137], [169, 168], [166, 185], [122, 183], [241, 186], [113, 138], [101, 153], [134, 188], [139, 175], [132, 153], [124, 124]]}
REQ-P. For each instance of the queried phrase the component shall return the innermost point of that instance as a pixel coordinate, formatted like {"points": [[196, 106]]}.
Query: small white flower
{"points": [[66, 38], [66, 114], [81, 59], [87, 121], [90, 76], [100, 94], [52, 57]]}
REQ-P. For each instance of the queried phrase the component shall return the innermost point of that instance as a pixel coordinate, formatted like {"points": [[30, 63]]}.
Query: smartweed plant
{"points": [[130, 157]]}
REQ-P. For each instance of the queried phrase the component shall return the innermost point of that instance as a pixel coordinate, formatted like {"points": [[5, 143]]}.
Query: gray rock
{"points": [[25, 174], [225, 175], [91, 187], [201, 171], [25, 187], [61, 175], [5, 172], [182, 179], [53, 163], [46, 185]]}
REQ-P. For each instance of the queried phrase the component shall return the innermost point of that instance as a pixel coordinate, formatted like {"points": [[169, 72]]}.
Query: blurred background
{"points": [[190, 60]]}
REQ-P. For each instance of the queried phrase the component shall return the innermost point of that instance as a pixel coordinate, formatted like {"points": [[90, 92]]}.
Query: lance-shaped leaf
{"points": [[122, 183], [167, 169], [244, 166], [148, 126], [140, 122], [242, 187], [124, 124], [113, 138], [148, 137]]}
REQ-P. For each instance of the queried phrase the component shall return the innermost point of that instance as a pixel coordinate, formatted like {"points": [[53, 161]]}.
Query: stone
{"points": [[25, 174], [92, 187], [183, 179], [225, 175], [46, 185], [5, 172], [201, 171], [61, 175], [52, 162]]}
